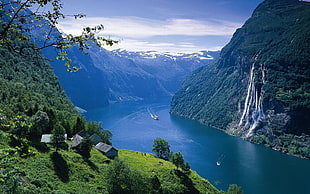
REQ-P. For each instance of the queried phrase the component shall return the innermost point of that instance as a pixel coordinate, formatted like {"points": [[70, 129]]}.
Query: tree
{"points": [[118, 177], [58, 136], [85, 147], [9, 174], [177, 159], [19, 126], [17, 21], [234, 189], [161, 148], [79, 125], [96, 127], [121, 179], [40, 122], [186, 167]]}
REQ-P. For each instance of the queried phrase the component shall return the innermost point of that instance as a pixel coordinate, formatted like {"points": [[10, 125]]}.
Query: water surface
{"points": [[257, 169]]}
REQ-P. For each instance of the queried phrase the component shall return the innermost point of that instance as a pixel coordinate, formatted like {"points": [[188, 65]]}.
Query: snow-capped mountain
{"points": [[202, 55], [146, 75]]}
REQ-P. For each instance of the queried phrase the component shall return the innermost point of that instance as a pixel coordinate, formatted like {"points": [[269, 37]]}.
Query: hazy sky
{"points": [[162, 25]]}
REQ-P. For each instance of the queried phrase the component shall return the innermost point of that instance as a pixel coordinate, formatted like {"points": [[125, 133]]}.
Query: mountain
{"points": [[145, 75], [28, 84], [259, 87], [116, 76]]}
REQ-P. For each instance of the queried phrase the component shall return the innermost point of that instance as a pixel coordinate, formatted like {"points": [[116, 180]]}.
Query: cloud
{"points": [[176, 47], [138, 33], [136, 27]]}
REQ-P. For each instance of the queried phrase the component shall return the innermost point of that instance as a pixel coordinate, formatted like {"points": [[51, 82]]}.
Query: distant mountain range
{"points": [[116, 76], [259, 87], [146, 75]]}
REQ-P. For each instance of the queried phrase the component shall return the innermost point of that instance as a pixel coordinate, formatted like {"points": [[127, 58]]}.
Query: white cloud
{"points": [[135, 27], [136, 33], [177, 47]]}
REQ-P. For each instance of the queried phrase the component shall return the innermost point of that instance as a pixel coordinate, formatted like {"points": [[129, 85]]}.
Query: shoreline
{"points": [[275, 148]]}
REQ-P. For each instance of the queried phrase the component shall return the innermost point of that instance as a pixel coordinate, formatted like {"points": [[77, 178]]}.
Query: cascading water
{"points": [[252, 113]]}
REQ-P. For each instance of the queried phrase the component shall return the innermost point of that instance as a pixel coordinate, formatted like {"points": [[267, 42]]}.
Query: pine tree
{"points": [[58, 136]]}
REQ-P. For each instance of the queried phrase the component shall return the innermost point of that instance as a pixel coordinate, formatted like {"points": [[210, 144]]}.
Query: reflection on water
{"points": [[256, 168]]}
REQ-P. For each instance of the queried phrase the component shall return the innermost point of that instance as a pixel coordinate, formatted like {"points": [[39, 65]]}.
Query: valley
{"points": [[240, 115]]}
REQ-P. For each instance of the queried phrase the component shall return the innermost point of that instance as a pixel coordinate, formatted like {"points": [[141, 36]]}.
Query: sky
{"points": [[184, 26]]}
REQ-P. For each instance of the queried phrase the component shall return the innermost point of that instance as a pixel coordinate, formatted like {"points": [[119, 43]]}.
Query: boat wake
{"points": [[155, 117]]}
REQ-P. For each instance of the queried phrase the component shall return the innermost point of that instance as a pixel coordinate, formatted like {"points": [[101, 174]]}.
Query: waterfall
{"points": [[252, 113], [248, 99]]}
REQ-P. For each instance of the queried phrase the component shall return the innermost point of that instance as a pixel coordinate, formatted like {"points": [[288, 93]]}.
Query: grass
{"points": [[166, 172], [68, 172]]}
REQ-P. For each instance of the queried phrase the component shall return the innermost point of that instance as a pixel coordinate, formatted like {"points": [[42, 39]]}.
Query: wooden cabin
{"points": [[107, 150]]}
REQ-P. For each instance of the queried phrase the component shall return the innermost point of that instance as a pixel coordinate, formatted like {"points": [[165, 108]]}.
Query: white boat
{"points": [[155, 117], [218, 163]]}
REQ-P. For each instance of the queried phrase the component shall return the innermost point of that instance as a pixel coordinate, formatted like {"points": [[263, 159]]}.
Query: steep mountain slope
{"points": [[28, 84], [144, 75], [79, 87], [259, 87]]}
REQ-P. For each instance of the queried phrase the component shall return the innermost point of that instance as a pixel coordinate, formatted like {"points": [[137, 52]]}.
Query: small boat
{"points": [[155, 117], [218, 163]]}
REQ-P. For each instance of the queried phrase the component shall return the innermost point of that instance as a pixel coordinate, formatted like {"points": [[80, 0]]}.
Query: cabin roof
{"points": [[95, 138], [76, 140], [103, 147]]}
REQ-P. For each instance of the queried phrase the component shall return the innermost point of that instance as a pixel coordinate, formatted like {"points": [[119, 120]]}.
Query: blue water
{"points": [[257, 169]]}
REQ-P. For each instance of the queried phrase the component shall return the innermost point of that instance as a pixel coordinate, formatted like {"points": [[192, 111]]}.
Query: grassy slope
{"points": [[165, 171], [68, 172]]}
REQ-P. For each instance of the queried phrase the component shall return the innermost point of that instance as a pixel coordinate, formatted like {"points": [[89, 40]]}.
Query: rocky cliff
{"points": [[259, 87]]}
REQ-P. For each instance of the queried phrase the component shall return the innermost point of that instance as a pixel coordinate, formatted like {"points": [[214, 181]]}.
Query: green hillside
{"points": [[259, 87], [28, 84], [68, 172]]}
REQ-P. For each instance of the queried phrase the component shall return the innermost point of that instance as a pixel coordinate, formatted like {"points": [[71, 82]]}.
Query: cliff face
{"points": [[259, 87]]}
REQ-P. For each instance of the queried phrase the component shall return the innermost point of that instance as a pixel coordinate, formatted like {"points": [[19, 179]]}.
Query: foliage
{"points": [[186, 167], [96, 128], [169, 179], [79, 125], [19, 126], [18, 21], [40, 121], [58, 136], [8, 173], [121, 179], [161, 148], [177, 159], [85, 147], [234, 189], [32, 100]]}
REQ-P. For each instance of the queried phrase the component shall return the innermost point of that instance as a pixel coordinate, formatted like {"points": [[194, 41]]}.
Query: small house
{"points": [[47, 138], [77, 138], [107, 150]]}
